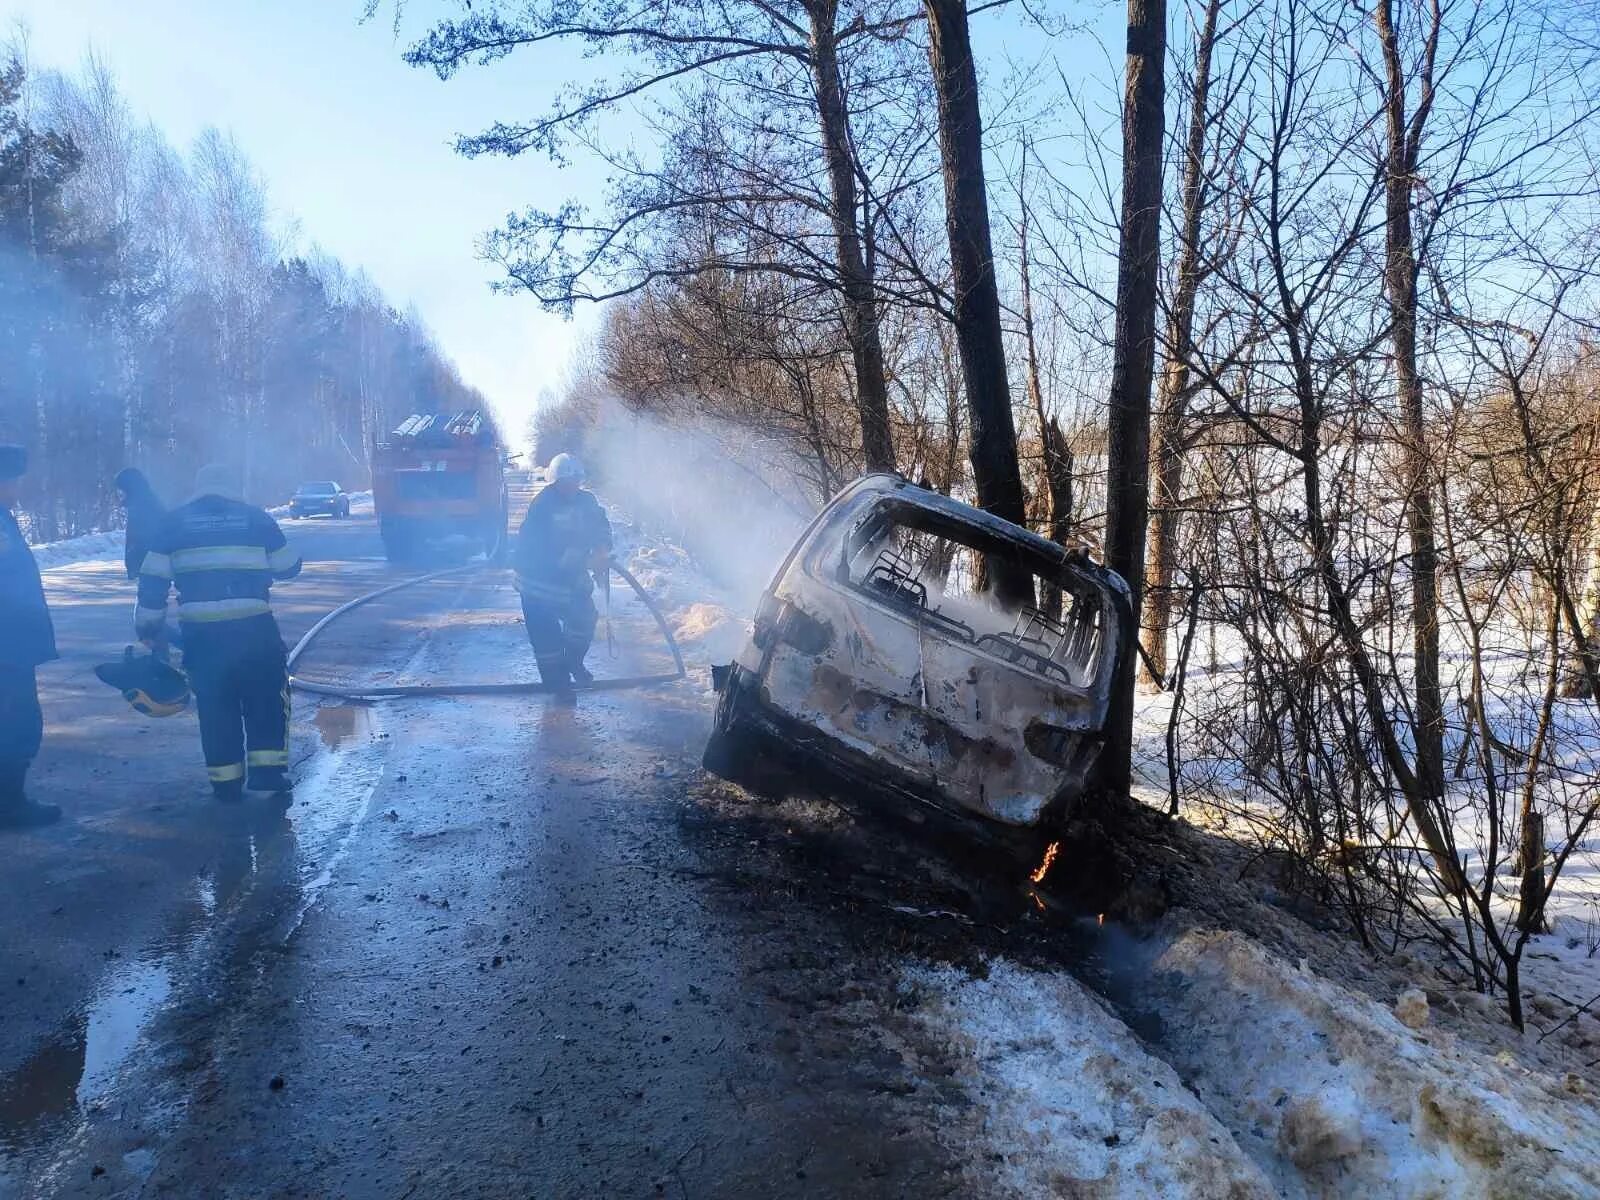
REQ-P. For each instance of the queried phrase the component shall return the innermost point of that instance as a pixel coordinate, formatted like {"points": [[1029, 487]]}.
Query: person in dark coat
{"points": [[27, 638], [145, 514], [563, 538]]}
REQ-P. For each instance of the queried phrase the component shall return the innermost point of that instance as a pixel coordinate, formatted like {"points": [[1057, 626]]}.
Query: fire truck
{"points": [[441, 476]]}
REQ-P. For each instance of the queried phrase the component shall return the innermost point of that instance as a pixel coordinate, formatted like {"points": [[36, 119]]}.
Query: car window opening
{"points": [[930, 569]]}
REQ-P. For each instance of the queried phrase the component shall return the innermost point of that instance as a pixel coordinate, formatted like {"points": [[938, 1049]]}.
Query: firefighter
{"points": [[563, 538], [27, 638], [224, 555], [145, 515]]}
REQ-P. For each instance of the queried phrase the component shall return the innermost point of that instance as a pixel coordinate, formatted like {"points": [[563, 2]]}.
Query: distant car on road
{"points": [[323, 497]]}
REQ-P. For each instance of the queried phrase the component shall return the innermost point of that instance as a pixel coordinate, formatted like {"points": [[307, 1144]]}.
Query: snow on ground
{"points": [[88, 547], [1337, 1095], [1562, 964], [1073, 1104], [1265, 1080], [707, 619]]}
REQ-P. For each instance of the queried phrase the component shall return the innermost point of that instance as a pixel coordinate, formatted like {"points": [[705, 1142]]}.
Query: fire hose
{"points": [[353, 691]]}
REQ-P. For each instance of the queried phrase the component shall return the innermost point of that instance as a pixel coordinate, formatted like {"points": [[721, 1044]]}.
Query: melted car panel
{"points": [[881, 651]]}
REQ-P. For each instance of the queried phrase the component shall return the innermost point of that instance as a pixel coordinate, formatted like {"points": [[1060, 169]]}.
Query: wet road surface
{"points": [[495, 947]]}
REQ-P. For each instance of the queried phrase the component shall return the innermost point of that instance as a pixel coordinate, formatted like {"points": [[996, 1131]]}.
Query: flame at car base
{"points": [[1045, 864]]}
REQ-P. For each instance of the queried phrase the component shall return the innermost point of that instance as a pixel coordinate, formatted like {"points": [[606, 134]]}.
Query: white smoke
{"points": [[732, 501]]}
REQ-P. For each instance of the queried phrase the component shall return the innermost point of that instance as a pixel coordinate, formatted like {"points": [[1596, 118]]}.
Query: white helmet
{"points": [[563, 467]]}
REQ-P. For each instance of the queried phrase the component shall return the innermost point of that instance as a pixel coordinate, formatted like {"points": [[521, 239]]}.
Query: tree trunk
{"points": [[860, 300], [1400, 282], [1172, 398], [992, 436], [1053, 445], [1057, 454], [1575, 685], [1133, 352]]}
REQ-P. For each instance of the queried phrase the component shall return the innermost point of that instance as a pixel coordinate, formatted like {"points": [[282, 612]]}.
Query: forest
{"points": [[1290, 319], [155, 313]]}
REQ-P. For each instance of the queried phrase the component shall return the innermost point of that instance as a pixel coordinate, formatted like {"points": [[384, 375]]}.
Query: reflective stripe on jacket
{"points": [[222, 554]]}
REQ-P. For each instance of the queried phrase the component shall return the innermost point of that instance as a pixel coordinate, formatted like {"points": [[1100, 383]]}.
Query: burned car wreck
{"points": [[881, 661]]}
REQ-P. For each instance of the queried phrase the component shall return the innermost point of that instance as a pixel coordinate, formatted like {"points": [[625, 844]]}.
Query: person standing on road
{"points": [[564, 537], [27, 638], [224, 556], [145, 515]]}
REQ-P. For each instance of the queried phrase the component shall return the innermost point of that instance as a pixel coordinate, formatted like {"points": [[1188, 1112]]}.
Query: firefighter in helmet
{"points": [[27, 638], [564, 538], [224, 555]]}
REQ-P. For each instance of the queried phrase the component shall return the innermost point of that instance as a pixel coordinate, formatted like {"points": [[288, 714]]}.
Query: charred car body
{"points": [[879, 657]]}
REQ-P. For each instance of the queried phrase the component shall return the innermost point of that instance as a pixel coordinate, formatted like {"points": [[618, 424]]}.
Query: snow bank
{"points": [[1333, 1094], [709, 629], [88, 547], [107, 546], [707, 620], [1266, 1080], [1073, 1104]]}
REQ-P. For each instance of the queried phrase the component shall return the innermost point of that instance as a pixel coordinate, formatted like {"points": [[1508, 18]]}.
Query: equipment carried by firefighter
{"points": [[149, 682], [441, 475]]}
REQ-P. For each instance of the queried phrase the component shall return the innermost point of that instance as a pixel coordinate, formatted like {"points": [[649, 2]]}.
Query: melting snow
{"points": [[707, 619], [1267, 1080], [1073, 1104], [89, 547]]}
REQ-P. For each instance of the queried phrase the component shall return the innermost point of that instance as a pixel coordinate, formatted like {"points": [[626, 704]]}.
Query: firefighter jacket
{"points": [[560, 534], [27, 637], [223, 555]]}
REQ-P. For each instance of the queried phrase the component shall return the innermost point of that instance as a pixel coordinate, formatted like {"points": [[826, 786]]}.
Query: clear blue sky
{"points": [[354, 146]]}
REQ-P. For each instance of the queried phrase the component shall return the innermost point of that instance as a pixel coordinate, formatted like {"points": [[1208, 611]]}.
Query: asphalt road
{"points": [[495, 947], [140, 856]]}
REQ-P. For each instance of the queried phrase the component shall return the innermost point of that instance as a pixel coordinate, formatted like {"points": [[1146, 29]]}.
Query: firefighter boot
{"points": [[553, 672], [269, 779], [16, 810]]}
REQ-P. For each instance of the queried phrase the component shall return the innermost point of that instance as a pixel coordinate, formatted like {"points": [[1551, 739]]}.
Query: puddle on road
{"points": [[339, 723], [255, 855], [77, 1067]]}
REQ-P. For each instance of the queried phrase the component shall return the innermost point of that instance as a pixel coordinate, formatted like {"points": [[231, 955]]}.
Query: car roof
{"points": [[889, 485]]}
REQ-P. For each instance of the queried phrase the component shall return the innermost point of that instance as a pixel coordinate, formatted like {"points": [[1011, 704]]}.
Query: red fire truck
{"points": [[439, 476]]}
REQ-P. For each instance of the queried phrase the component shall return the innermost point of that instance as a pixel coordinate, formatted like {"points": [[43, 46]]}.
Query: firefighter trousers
{"points": [[241, 690], [560, 630]]}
